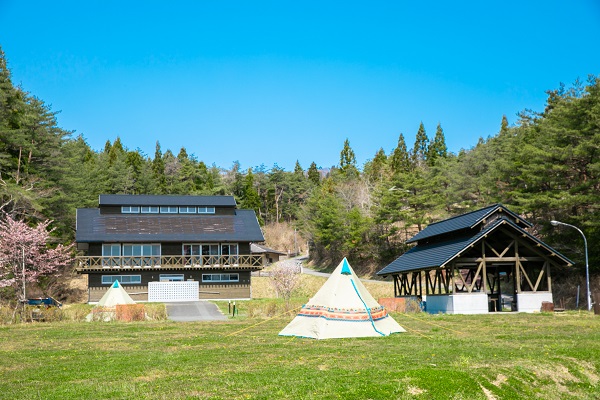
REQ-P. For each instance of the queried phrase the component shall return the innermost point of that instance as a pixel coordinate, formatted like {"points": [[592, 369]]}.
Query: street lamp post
{"points": [[587, 268]]}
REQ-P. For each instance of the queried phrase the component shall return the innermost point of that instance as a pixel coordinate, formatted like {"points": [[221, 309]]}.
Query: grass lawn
{"points": [[507, 356]]}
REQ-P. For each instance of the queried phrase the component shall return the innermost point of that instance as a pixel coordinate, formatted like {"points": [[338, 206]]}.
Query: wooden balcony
{"points": [[87, 264]]}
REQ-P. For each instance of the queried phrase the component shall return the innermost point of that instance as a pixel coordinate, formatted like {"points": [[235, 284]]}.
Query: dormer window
{"points": [[167, 210]]}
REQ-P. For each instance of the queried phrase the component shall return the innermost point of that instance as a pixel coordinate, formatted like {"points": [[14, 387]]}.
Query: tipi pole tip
{"points": [[345, 267]]}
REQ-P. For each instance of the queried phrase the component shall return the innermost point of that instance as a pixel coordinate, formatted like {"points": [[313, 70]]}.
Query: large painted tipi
{"points": [[342, 308]]}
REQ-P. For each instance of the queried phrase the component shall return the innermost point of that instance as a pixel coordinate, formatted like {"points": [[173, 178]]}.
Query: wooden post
{"points": [[452, 278], [484, 270], [517, 268], [547, 266]]}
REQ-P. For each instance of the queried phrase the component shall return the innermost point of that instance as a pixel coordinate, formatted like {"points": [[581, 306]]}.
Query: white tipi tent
{"points": [[342, 308], [115, 295], [105, 310]]}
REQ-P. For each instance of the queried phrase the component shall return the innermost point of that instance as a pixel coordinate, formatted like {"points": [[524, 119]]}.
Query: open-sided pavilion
{"points": [[479, 262]]}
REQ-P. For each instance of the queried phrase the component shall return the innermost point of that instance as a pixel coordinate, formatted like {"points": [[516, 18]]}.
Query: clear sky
{"points": [[275, 82]]}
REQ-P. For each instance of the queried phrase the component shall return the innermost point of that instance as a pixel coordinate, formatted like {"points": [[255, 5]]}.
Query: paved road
{"points": [[308, 271], [194, 311]]}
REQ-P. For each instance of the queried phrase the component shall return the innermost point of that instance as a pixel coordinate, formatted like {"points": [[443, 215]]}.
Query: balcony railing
{"points": [[85, 263]]}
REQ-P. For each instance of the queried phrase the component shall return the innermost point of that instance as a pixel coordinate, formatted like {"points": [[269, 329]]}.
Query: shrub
{"points": [[131, 312], [156, 311], [76, 312]]}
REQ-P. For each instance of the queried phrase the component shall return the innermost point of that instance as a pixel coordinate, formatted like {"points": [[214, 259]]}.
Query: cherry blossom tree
{"points": [[25, 256], [284, 279]]}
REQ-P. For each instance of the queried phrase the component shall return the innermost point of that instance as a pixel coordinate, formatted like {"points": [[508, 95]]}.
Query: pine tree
{"points": [[313, 174], [376, 168], [348, 160], [183, 155], [504, 126], [419, 152], [158, 169], [298, 169], [438, 148], [400, 160], [250, 198]]}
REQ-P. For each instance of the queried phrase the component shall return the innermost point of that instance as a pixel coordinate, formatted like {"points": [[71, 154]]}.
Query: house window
{"points": [[206, 210], [110, 254], [210, 249], [220, 277], [199, 253], [137, 250], [170, 278], [168, 210], [141, 255], [149, 210], [187, 210], [229, 249], [130, 209], [123, 279], [111, 250]]}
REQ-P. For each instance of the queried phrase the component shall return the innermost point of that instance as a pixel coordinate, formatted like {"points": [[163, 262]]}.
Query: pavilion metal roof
{"points": [[92, 226], [463, 222], [437, 255]]}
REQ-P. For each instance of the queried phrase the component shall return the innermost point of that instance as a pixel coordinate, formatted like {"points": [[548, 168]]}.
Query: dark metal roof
{"points": [[95, 227], [258, 248], [462, 222], [165, 200], [437, 255]]}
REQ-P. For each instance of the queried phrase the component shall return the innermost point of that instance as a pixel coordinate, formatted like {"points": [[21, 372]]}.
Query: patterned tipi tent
{"points": [[342, 308]]}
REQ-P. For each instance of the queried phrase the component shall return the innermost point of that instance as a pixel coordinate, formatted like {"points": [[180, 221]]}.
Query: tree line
{"points": [[545, 167]]}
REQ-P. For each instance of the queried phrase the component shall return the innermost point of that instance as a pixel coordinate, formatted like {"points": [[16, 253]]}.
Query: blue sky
{"points": [[275, 82]]}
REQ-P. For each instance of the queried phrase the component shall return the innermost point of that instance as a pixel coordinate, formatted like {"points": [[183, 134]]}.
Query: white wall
{"points": [[532, 302], [468, 303], [173, 291]]}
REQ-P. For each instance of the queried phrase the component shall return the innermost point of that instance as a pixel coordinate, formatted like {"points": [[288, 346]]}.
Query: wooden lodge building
{"points": [[168, 248], [479, 262]]}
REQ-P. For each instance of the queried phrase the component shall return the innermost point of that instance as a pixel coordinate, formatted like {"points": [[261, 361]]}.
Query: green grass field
{"points": [[507, 356]]}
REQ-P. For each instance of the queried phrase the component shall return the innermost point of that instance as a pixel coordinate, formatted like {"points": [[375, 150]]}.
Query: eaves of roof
{"points": [[437, 255]]}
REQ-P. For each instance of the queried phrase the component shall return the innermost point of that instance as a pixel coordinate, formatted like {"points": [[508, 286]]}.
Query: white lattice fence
{"points": [[173, 291]]}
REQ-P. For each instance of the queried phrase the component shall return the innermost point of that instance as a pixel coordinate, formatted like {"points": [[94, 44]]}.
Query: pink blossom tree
{"points": [[285, 279], [25, 256]]}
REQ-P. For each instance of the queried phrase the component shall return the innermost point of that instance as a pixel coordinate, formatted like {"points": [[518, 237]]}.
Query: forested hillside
{"points": [[545, 167]]}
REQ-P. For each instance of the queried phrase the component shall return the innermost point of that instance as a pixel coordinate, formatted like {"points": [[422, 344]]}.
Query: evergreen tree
{"points": [[298, 169], [115, 151], [376, 168], [348, 160], [158, 170], [504, 126], [400, 160], [182, 155], [251, 200], [419, 152], [313, 174], [438, 148]]}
